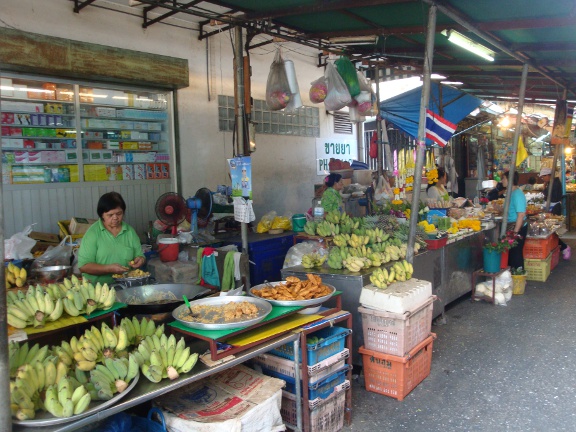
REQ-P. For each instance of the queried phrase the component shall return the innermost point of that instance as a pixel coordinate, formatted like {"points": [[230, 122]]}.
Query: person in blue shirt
{"points": [[516, 219]]}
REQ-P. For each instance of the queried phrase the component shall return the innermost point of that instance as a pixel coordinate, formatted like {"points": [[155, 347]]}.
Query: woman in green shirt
{"points": [[331, 199], [110, 246]]}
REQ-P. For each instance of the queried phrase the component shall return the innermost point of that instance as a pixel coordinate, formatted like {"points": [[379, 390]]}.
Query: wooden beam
{"points": [[35, 53]]}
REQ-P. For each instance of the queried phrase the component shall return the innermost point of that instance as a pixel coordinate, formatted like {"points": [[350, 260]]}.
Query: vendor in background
{"points": [[110, 246], [331, 199], [498, 192], [555, 203], [530, 185], [438, 191], [516, 219], [556, 196]]}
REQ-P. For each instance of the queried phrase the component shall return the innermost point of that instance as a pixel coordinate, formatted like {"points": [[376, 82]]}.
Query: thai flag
{"points": [[438, 129]]}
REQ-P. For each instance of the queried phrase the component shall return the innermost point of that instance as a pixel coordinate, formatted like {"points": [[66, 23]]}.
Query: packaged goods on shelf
{"points": [[8, 90], [54, 108], [6, 117], [127, 172], [139, 172], [129, 145], [95, 156], [74, 172], [95, 173], [30, 107]]}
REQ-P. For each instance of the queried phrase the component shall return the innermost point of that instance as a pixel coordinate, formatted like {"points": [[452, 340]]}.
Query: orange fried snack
{"points": [[295, 289]]}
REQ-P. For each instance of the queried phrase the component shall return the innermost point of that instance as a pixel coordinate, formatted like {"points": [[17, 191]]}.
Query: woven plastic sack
{"points": [[277, 87], [318, 90], [348, 73], [338, 95]]}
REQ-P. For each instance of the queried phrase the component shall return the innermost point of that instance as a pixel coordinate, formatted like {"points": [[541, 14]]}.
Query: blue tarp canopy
{"points": [[404, 110]]}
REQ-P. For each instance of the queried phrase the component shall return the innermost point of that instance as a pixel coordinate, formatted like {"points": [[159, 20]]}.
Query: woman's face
{"points": [[444, 179], [113, 218], [339, 185]]}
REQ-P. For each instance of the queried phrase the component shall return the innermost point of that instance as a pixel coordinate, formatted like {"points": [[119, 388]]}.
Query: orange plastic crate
{"points": [[397, 376], [535, 248], [555, 258]]}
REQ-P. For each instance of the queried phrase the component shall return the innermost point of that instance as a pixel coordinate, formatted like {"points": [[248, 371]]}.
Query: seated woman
{"points": [[438, 191], [331, 199]]}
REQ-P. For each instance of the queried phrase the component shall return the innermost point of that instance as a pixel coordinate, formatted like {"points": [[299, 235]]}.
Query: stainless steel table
{"points": [[146, 390]]}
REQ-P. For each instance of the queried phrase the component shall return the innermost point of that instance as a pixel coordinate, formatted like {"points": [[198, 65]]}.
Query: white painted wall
{"points": [[284, 168]]}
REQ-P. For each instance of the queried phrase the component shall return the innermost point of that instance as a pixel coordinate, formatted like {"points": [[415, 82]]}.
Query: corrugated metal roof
{"points": [[540, 33]]}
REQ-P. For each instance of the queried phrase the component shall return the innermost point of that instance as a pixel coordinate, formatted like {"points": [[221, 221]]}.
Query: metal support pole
{"points": [[563, 178], [379, 125], [421, 142], [552, 176], [5, 414], [239, 65], [296, 345], [558, 117], [514, 148]]}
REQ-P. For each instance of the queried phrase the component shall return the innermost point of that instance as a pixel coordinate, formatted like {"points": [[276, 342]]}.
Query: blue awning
{"points": [[404, 110]]}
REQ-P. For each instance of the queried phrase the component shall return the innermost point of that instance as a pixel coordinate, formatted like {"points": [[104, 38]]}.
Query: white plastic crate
{"points": [[399, 297]]}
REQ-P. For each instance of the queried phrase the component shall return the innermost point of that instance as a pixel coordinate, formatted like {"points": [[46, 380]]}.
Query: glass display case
{"points": [[58, 132]]}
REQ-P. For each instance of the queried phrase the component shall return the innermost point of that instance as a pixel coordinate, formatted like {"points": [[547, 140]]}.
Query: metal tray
{"points": [[264, 309], [310, 302], [46, 419]]}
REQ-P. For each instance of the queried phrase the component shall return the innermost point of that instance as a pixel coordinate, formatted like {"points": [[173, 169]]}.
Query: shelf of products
{"points": [[56, 132]]}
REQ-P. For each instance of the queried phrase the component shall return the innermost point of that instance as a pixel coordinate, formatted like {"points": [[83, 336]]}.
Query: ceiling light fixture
{"points": [[454, 83], [354, 40], [468, 44]]}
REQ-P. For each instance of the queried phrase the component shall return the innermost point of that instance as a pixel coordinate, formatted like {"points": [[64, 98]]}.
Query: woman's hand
{"points": [[116, 269], [137, 262]]}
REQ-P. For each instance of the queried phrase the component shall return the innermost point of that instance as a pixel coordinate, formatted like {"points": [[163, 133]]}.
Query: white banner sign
{"points": [[343, 149]]}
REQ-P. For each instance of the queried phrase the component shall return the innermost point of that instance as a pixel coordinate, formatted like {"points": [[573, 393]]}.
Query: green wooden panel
{"points": [[34, 53]]}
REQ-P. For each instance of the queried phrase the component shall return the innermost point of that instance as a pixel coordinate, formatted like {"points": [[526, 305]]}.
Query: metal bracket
{"points": [[79, 5]]}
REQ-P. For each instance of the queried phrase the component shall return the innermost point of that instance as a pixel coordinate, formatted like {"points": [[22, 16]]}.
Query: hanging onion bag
{"points": [[277, 87], [338, 95], [348, 73], [318, 90]]}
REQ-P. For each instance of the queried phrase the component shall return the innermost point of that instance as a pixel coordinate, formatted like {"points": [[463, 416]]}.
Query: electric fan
{"points": [[201, 207], [171, 210]]}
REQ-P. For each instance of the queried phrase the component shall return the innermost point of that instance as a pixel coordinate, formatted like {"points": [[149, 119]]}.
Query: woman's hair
{"points": [[332, 179], [516, 178], [532, 180], [441, 174], [110, 201]]}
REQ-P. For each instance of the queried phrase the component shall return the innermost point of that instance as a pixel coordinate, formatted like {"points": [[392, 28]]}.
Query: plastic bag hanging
{"points": [[318, 90], [348, 73], [338, 95], [295, 99], [278, 92]]}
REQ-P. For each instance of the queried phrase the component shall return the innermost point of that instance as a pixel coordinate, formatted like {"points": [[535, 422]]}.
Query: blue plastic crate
{"points": [[321, 389], [333, 343]]}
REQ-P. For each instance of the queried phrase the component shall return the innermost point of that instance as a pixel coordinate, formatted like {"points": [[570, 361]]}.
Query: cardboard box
{"points": [[95, 145], [95, 156], [45, 237], [7, 118], [80, 225], [127, 172], [71, 156]]}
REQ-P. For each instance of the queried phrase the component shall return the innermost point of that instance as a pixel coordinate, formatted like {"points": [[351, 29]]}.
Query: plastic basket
{"points": [[327, 416], [538, 269], [437, 243], [333, 343], [397, 376], [555, 258], [396, 334], [539, 248], [518, 284]]}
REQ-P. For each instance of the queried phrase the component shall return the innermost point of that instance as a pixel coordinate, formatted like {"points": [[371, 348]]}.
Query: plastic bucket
{"points": [[298, 222], [491, 261], [168, 249], [518, 284]]}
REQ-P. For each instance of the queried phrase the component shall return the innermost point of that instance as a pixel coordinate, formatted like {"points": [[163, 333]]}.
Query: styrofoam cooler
{"points": [[399, 297]]}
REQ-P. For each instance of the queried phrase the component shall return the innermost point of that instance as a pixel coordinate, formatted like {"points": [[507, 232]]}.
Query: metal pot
{"points": [[151, 299], [52, 274], [129, 282]]}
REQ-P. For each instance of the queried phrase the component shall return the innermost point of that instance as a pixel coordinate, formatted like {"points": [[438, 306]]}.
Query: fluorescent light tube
{"points": [[468, 44]]}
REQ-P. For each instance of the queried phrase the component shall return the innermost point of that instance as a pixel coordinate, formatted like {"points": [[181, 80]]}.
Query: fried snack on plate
{"points": [[295, 289]]}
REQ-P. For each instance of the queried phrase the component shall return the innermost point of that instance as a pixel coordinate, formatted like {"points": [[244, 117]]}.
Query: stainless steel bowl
{"points": [[52, 274]]}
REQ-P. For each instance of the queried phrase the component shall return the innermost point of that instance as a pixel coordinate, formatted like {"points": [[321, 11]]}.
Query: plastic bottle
{"points": [[318, 212]]}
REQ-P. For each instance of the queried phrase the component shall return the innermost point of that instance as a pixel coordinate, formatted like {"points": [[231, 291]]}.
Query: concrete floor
{"points": [[494, 368]]}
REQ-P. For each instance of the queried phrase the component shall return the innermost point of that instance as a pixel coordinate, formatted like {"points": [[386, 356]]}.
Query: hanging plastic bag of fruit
{"points": [[348, 73], [366, 96], [355, 116], [277, 87], [338, 95], [318, 90]]}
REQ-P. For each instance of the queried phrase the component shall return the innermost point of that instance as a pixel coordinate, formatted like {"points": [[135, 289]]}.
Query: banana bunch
{"points": [[327, 229], [67, 397], [375, 259], [341, 239], [359, 231], [354, 264], [346, 224], [111, 377], [333, 217], [15, 277], [32, 307], [394, 252], [403, 270], [379, 278], [376, 235], [80, 298], [310, 228], [19, 355], [313, 260], [163, 357], [31, 379], [138, 330], [358, 240], [335, 259]]}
